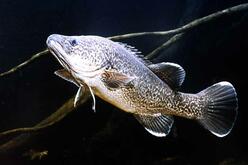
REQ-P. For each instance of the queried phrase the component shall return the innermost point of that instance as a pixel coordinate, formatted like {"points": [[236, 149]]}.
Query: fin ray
{"points": [[172, 74], [158, 125], [132, 50], [64, 74], [79, 95], [220, 112], [94, 100], [113, 79]]}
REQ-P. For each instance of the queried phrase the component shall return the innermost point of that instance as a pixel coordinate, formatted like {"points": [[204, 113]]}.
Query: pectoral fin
{"points": [[114, 79], [64, 74], [158, 125], [172, 74]]}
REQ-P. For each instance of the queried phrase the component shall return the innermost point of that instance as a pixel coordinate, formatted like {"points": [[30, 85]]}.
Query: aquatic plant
{"points": [[18, 141]]}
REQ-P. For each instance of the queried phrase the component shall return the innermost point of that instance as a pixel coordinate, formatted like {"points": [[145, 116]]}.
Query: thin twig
{"points": [[165, 45], [188, 26], [12, 70]]}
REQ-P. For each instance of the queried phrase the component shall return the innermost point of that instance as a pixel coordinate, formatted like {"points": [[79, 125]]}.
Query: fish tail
{"points": [[220, 110]]}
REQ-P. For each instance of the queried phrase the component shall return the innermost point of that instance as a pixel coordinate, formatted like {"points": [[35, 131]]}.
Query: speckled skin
{"points": [[87, 57]]}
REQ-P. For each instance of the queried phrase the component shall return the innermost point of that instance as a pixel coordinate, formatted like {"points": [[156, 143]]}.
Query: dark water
{"points": [[211, 53]]}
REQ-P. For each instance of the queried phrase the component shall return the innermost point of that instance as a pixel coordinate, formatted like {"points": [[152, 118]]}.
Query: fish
{"points": [[119, 74]]}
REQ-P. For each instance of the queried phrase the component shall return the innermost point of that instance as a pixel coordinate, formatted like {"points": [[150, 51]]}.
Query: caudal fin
{"points": [[220, 111]]}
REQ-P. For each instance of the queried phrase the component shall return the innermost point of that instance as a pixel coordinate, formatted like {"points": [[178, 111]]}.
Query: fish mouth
{"points": [[57, 50]]}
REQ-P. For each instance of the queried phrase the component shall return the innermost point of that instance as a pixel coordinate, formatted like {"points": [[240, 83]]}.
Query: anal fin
{"points": [[158, 125]]}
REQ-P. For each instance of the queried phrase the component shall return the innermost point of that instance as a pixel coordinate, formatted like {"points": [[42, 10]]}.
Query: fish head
{"points": [[78, 54]]}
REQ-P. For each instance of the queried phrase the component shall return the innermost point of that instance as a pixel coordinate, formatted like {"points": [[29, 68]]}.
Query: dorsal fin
{"points": [[136, 53], [172, 74]]}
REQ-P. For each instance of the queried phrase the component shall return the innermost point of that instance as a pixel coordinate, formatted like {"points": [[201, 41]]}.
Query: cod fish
{"points": [[120, 75]]}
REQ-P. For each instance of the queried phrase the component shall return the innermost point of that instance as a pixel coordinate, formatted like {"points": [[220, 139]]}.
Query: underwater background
{"points": [[213, 52]]}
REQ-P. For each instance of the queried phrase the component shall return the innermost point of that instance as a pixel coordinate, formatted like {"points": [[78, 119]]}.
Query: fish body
{"points": [[118, 74]]}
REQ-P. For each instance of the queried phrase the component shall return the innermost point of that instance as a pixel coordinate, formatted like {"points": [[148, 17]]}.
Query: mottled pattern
{"points": [[146, 94], [189, 105]]}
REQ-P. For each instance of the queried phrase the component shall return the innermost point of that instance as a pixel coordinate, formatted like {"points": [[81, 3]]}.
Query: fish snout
{"points": [[53, 38]]}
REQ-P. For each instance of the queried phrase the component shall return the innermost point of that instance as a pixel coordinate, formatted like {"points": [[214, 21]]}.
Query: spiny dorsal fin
{"points": [[172, 74], [136, 53], [114, 79], [64, 74], [158, 125]]}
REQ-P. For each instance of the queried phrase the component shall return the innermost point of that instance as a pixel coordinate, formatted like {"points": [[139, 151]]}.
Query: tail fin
{"points": [[220, 111]]}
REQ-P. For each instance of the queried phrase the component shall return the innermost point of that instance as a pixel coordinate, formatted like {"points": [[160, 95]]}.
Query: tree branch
{"points": [[188, 26], [20, 66], [165, 45], [63, 111]]}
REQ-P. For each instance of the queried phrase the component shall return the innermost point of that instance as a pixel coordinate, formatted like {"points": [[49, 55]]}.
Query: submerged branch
{"points": [[20, 66], [165, 45], [188, 26], [20, 140], [24, 130]]}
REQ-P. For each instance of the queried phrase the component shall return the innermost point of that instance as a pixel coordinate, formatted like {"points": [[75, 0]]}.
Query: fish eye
{"points": [[73, 42]]}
